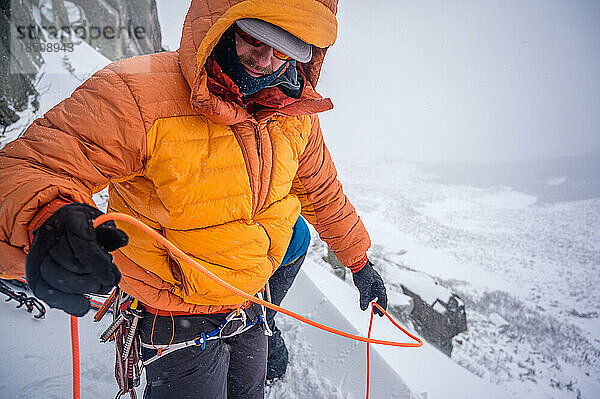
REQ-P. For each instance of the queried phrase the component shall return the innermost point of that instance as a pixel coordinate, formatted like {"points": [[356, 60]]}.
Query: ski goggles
{"points": [[254, 42]]}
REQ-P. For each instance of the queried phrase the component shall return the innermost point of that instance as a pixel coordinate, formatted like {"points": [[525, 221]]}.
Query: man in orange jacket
{"points": [[217, 146]]}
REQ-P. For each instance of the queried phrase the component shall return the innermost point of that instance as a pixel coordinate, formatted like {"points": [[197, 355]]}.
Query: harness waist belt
{"points": [[247, 318]]}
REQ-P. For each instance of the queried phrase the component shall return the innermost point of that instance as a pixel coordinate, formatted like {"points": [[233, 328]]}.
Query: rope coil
{"points": [[182, 255]]}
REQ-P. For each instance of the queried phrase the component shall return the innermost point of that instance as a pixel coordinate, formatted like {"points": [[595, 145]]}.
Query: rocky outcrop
{"points": [[18, 66], [437, 314], [116, 28], [440, 321]]}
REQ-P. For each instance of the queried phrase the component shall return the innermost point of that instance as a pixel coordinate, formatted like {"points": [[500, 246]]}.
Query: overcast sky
{"points": [[477, 81]]}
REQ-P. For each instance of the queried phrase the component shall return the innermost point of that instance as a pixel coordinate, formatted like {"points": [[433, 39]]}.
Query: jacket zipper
{"points": [[175, 268], [258, 143], [260, 165]]}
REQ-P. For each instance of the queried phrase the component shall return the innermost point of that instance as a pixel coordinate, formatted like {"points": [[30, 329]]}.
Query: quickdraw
{"points": [[30, 303], [123, 330]]}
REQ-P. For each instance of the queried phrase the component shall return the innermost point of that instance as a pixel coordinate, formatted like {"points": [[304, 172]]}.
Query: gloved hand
{"points": [[370, 286], [69, 258]]}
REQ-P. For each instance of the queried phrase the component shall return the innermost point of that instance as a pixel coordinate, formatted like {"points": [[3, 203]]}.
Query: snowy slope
{"points": [[36, 361], [36, 353], [528, 272], [423, 370]]}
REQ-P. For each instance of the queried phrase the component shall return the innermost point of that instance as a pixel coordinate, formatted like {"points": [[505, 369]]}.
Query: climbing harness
{"points": [[31, 303], [124, 332], [235, 323]]}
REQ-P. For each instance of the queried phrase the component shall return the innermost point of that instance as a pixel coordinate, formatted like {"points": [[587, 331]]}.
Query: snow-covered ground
{"points": [[36, 360], [527, 272]]}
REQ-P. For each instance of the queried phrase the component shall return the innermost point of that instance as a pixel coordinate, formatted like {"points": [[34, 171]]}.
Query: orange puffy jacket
{"points": [[224, 186]]}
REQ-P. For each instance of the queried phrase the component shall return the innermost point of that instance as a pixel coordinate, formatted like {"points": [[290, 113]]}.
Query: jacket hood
{"points": [[313, 21]]}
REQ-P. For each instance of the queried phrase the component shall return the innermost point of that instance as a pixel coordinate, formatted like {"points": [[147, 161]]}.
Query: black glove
{"points": [[370, 286], [68, 258]]}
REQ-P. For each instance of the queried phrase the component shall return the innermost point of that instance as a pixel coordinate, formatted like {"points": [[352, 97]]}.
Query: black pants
{"points": [[231, 368], [279, 284]]}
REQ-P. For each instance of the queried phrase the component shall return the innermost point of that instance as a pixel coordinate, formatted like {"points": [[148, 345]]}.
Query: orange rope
{"points": [[75, 353], [174, 250], [162, 240], [369, 347]]}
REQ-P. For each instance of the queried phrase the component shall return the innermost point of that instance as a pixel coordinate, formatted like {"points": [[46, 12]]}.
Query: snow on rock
{"points": [[60, 75], [401, 301], [421, 284]]}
